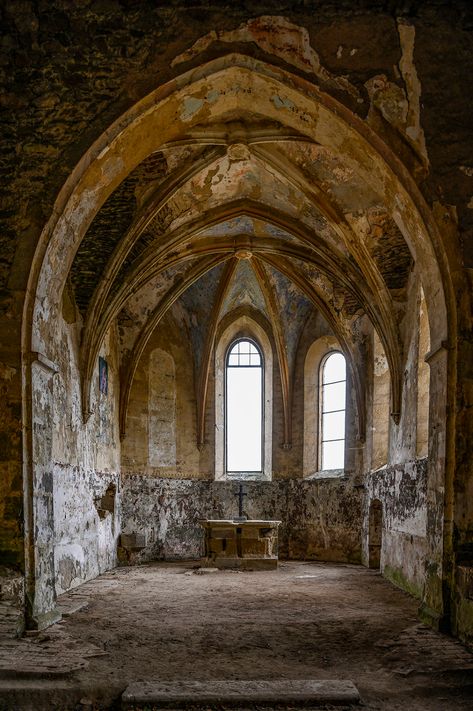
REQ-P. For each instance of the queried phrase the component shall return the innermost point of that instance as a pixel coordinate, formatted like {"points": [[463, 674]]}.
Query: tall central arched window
{"points": [[332, 411], [244, 407]]}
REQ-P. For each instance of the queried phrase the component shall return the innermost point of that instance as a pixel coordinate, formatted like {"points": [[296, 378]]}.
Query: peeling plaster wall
{"points": [[321, 519], [402, 440], [402, 489], [401, 485], [85, 539], [380, 411], [423, 384], [43, 488], [75, 464]]}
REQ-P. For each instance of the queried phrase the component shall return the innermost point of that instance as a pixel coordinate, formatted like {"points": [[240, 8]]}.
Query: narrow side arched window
{"points": [[332, 402], [244, 407]]}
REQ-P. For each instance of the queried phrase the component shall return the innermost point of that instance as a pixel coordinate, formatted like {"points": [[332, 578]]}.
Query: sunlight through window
{"points": [[244, 407], [332, 416]]}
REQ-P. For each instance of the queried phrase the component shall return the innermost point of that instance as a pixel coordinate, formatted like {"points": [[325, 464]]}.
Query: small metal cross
{"points": [[240, 493]]}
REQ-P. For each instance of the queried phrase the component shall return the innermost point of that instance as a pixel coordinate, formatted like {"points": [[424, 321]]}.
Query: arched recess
{"points": [[241, 84], [161, 409], [244, 326], [315, 354]]}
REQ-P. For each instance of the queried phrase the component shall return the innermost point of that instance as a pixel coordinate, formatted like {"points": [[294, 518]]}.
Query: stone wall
{"points": [[86, 524], [402, 489], [75, 467], [321, 519]]}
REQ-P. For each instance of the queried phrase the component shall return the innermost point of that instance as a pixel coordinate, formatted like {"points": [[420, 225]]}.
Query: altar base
{"points": [[241, 544]]}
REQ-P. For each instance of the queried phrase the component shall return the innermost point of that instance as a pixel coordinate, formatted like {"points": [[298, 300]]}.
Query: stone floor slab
{"points": [[279, 692]]}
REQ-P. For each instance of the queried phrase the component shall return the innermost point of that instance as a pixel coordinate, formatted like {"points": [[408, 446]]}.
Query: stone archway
{"points": [[234, 83]]}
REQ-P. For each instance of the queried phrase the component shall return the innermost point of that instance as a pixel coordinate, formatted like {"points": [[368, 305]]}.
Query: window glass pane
{"points": [[244, 359], [244, 419], [334, 368], [334, 397], [333, 455], [255, 359], [333, 426], [244, 353]]}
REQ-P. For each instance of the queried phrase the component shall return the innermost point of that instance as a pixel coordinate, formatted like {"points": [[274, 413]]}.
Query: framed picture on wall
{"points": [[103, 376]]}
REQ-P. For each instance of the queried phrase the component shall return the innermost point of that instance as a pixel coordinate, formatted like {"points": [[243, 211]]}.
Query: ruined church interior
{"points": [[236, 354]]}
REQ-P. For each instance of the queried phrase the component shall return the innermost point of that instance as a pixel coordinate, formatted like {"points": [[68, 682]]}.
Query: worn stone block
{"points": [[280, 691], [223, 533], [132, 541]]}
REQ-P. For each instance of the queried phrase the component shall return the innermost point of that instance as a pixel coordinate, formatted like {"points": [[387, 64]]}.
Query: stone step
{"points": [[237, 693], [54, 694]]}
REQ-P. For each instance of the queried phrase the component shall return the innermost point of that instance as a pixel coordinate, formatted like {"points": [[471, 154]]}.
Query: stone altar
{"points": [[241, 544]]}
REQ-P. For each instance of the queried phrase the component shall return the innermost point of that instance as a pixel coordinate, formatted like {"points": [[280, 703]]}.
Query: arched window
{"points": [[244, 407], [332, 411], [243, 328]]}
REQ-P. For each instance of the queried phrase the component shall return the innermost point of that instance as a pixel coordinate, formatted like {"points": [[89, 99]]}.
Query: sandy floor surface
{"points": [[303, 621]]}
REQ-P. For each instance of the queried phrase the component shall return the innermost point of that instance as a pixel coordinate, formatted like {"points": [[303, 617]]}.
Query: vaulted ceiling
{"points": [[234, 212], [272, 183]]}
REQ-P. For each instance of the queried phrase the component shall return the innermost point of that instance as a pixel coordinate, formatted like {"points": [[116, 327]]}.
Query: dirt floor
{"points": [[303, 621]]}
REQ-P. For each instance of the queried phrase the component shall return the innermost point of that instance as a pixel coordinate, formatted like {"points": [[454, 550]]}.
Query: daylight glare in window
{"points": [[332, 418], [244, 408]]}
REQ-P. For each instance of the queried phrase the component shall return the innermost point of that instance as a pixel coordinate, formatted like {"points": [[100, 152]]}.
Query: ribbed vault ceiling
{"points": [[243, 212]]}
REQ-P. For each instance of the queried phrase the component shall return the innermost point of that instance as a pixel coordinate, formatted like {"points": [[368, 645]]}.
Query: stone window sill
{"points": [[327, 474]]}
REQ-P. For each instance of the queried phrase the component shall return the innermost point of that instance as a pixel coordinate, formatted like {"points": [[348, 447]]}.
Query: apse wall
{"points": [[169, 394], [320, 519]]}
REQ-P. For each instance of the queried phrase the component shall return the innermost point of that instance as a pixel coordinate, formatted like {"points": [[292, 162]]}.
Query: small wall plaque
{"points": [[103, 376]]}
